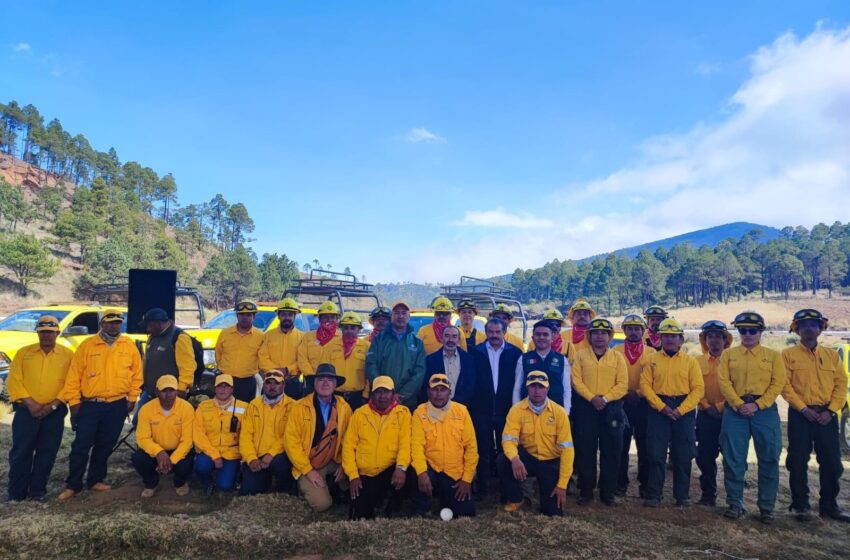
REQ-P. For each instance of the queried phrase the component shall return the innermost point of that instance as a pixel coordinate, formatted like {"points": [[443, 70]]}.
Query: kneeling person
{"points": [[376, 450], [444, 450], [216, 434], [537, 441], [164, 436], [314, 435], [261, 439]]}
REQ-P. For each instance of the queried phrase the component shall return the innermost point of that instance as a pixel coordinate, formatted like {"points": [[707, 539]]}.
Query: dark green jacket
{"points": [[402, 359]]}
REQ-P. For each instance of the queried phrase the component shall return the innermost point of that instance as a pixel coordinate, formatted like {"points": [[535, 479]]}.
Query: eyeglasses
{"points": [[749, 330]]}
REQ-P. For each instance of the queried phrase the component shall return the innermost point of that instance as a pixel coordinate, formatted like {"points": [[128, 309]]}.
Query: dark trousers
{"points": [[145, 465], [258, 482], [488, 435], [803, 436], [636, 413], [593, 432], [546, 473], [708, 449], [99, 426], [373, 493], [35, 443], [445, 494], [225, 477], [677, 436], [245, 388]]}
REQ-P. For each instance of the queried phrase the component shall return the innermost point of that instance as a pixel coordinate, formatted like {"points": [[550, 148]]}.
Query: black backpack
{"points": [[197, 348]]}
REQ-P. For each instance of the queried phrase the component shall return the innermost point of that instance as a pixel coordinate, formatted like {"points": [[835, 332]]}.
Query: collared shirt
{"points": [[606, 376], [494, 354], [519, 381], [634, 369], [280, 350], [814, 378], [38, 376], [451, 365], [166, 430], [755, 371], [237, 353], [102, 371], [545, 435], [709, 365], [672, 376], [325, 408]]}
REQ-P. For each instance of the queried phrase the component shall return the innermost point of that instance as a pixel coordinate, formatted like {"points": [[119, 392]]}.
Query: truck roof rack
{"points": [[323, 285], [485, 294]]}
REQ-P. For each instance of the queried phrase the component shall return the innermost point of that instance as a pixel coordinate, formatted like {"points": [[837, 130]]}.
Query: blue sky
{"points": [[423, 140]]}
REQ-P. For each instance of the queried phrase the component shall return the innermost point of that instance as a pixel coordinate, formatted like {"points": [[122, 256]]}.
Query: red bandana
{"points": [[438, 331], [389, 408], [578, 333], [348, 343], [558, 342], [654, 339], [325, 334], [634, 350], [373, 334]]}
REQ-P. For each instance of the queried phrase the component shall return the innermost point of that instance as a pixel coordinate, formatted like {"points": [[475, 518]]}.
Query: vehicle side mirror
{"points": [[76, 331]]}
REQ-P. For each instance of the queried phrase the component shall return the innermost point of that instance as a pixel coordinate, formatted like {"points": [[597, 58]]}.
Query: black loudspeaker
{"points": [[149, 289]]}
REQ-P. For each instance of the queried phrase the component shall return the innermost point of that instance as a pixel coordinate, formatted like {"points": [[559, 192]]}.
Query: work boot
{"points": [[66, 495], [148, 493], [100, 487], [584, 500], [802, 514], [621, 492], [707, 501], [209, 490], [651, 502], [684, 503], [837, 515], [182, 490], [511, 507], [766, 517], [734, 512]]}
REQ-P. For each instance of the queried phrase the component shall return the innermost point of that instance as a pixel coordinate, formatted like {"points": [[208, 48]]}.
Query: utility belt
{"points": [[102, 400], [750, 399], [672, 401]]}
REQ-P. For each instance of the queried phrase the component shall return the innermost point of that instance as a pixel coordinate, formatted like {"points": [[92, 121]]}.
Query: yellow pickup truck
{"points": [[844, 352]]}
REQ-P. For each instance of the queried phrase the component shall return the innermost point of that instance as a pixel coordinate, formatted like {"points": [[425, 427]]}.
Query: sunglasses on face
{"points": [[47, 324], [749, 330]]}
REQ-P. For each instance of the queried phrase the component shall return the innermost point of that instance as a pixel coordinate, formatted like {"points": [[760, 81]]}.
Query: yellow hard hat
{"points": [[502, 308], [328, 308], [246, 306], [581, 304], [553, 315], [655, 311], [633, 321], [442, 305], [601, 325], [288, 304], [351, 318], [467, 304], [670, 326]]}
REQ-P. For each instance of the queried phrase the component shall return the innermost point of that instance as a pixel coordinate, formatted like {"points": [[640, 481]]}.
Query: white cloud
{"points": [[422, 134], [499, 218], [22, 48]]}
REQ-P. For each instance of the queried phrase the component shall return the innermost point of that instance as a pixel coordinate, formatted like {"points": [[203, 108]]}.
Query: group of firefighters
{"points": [[448, 412]]}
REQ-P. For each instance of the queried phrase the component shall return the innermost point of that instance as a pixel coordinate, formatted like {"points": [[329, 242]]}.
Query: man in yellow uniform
{"points": [[750, 378], [376, 451], [581, 313], [164, 436], [816, 391], [600, 381], [654, 315], [261, 439], [537, 441], [218, 422], [315, 342], [637, 356], [237, 352], [714, 338], [443, 451], [432, 335], [35, 379], [349, 359], [503, 313], [672, 385], [471, 336], [314, 435], [102, 386], [280, 347]]}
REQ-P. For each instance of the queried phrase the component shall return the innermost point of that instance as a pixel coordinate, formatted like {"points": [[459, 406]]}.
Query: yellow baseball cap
{"points": [[166, 382], [275, 374], [225, 378], [537, 377], [383, 382], [401, 303], [111, 315], [47, 323], [439, 379]]}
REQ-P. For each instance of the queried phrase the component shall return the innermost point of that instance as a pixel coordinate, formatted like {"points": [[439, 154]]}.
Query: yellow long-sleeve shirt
{"points": [[263, 428], [544, 436], [479, 336], [280, 350], [212, 433], [301, 427], [606, 376], [238, 354], [100, 371], [310, 351], [38, 376], [375, 442], [429, 339], [672, 376], [172, 433], [511, 338], [814, 378], [448, 446], [757, 371], [634, 369], [352, 368], [709, 365]]}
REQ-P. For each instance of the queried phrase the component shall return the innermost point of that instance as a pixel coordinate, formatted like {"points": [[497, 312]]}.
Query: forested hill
{"points": [[75, 216]]}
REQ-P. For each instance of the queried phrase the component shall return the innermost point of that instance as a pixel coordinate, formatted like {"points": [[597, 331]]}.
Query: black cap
{"points": [[155, 314], [328, 370]]}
